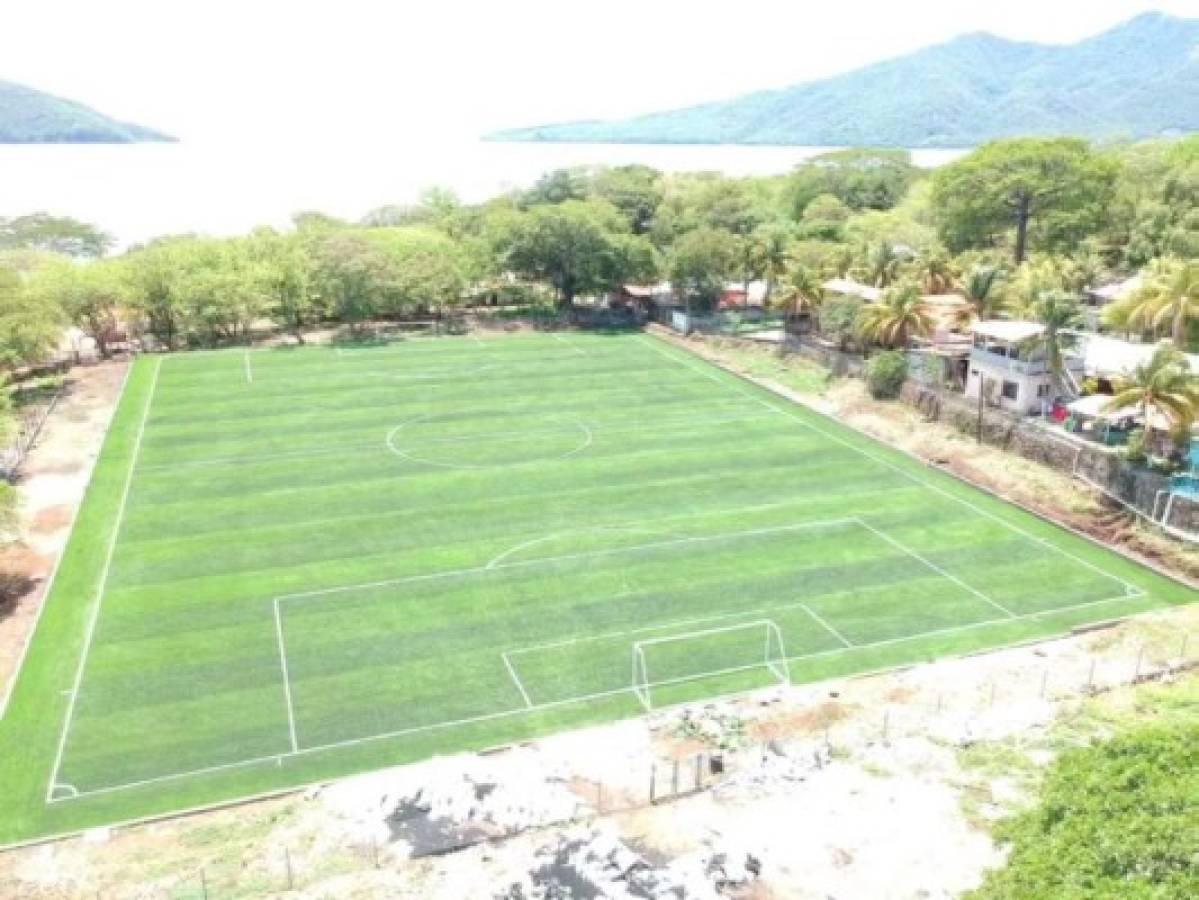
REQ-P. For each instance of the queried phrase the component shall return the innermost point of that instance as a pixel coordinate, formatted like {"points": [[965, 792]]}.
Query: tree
{"points": [[980, 290], [287, 278], [1057, 185], [1057, 312], [30, 324], [577, 246], [881, 263], [150, 272], [91, 296], [557, 186], [634, 190], [426, 269], [53, 234], [860, 179], [936, 272], [895, 318], [804, 290], [1164, 384], [701, 262], [838, 319], [353, 273], [825, 217], [1169, 300]]}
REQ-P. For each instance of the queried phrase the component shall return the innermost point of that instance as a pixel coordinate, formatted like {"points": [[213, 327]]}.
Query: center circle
{"points": [[488, 440]]}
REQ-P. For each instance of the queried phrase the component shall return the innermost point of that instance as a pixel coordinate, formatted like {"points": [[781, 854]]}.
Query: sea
{"points": [[139, 191]]}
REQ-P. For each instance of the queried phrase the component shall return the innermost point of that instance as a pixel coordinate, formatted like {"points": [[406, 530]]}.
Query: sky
{"points": [[227, 70]]}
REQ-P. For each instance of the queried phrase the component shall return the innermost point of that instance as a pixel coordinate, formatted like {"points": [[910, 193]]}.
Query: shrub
{"points": [[1135, 451], [885, 374]]}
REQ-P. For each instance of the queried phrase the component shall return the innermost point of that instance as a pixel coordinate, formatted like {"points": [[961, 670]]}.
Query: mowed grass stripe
{"points": [[183, 644]]}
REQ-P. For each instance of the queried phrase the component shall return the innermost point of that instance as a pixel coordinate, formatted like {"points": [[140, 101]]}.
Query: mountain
{"points": [[32, 117], [1140, 79]]}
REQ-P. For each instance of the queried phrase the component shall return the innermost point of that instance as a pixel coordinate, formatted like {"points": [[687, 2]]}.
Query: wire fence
{"points": [[940, 705], [29, 422]]}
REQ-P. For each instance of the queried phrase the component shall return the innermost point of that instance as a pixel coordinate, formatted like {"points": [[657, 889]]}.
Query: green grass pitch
{"points": [[297, 564]]}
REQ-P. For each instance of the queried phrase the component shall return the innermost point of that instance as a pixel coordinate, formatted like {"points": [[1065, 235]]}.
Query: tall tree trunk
{"points": [[1023, 213]]}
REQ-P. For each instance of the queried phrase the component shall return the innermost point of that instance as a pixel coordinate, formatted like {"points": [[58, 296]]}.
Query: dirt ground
{"points": [[877, 787], [53, 480]]}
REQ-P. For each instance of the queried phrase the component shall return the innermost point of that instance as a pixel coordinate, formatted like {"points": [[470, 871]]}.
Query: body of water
{"points": [[138, 191]]}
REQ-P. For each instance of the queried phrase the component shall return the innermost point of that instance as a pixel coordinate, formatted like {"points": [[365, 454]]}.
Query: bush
{"points": [[1118, 819], [885, 374], [1135, 450]]}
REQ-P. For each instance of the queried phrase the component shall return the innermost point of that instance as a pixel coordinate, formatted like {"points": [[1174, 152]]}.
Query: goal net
{"points": [[693, 655]]}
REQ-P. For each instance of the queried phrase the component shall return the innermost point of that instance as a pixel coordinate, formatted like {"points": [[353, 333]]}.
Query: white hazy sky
{"points": [[217, 69]]}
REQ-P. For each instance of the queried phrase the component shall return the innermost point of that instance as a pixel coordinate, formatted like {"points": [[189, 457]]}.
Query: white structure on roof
{"points": [[1011, 374], [851, 288]]}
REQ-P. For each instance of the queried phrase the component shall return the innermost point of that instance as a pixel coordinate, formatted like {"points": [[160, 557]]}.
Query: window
{"points": [[1011, 390], [1042, 390]]}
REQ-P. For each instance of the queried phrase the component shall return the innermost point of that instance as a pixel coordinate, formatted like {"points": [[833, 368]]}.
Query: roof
{"points": [[1095, 407], [1010, 332], [852, 288], [1106, 356], [755, 294]]}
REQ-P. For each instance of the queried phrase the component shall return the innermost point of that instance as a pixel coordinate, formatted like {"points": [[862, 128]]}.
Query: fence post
{"points": [[1044, 682], [287, 866], [1091, 675], [1136, 675], [674, 778], [203, 885], [653, 777], [991, 702], [375, 849]]}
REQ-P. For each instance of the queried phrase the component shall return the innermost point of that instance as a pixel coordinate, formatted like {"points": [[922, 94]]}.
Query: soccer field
{"points": [[295, 564]]}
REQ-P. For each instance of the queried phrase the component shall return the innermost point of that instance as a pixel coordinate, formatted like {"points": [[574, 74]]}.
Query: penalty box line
{"points": [[555, 704]]}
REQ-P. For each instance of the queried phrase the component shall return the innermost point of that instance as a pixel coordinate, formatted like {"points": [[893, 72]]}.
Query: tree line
{"points": [[1010, 227]]}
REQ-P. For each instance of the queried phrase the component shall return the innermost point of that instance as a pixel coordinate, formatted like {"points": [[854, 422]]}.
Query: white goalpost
{"points": [[773, 657]]}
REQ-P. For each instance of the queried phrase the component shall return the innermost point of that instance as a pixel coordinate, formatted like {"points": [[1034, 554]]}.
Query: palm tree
{"points": [[774, 242], [1058, 312], [804, 290], [1165, 385], [882, 264], [1170, 297], [937, 273], [897, 317], [1032, 282], [980, 289]]}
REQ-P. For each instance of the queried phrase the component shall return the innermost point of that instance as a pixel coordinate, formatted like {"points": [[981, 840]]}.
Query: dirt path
{"points": [[51, 487]]}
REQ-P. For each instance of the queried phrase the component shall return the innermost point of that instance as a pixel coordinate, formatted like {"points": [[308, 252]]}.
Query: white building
{"points": [[1010, 374]]}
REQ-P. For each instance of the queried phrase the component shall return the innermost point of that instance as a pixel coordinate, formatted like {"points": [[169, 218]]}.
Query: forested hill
{"points": [[1140, 79], [28, 116]]}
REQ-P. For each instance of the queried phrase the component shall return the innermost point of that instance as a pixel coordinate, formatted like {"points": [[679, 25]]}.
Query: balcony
{"points": [[1002, 362]]}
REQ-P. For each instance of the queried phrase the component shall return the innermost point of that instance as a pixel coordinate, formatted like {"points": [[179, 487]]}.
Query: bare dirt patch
{"points": [[49, 490]]}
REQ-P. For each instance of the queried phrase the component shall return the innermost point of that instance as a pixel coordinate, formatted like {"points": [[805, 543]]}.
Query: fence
{"points": [[29, 426], [953, 703]]}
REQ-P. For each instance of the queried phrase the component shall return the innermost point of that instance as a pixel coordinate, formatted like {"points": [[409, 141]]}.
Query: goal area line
{"points": [[278, 758]]}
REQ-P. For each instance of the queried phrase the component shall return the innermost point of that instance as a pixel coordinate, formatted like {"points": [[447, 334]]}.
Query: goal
{"points": [[690, 656]]}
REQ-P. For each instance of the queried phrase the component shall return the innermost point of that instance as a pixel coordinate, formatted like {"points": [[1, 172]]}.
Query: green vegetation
{"points": [[1116, 819], [885, 374], [28, 116], [328, 559], [1138, 79]]}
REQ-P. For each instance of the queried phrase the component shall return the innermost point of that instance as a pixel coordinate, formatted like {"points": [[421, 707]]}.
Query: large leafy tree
{"points": [[91, 296], [860, 179], [426, 269], [287, 278], [700, 264], [353, 273], [576, 246], [634, 190], [1051, 190], [53, 234], [30, 323], [898, 316]]}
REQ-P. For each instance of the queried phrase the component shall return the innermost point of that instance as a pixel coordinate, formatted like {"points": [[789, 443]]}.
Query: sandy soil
{"points": [[51, 487]]}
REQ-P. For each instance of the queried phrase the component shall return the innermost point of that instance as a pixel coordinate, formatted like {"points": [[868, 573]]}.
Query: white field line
{"points": [[587, 439], [916, 556], [524, 545], [516, 679], [553, 704], [901, 471], [291, 710], [561, 340], [541, 561], [703, 632], [49, 588], [825, 625], [97, 600], [249, 369]]}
